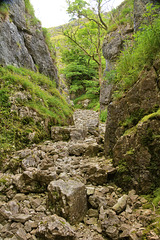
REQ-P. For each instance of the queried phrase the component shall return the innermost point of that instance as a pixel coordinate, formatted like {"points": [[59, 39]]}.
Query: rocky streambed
{"points": [[63, 189]]}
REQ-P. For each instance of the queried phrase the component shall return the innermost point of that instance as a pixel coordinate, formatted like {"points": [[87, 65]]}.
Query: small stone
{"points": [[41, 209], [54, 227], [121, 204], [91, 221], [143, 200], [90, 190], [21, 218], [92, 212], [21, 234], [20, 197], [128, 209]]}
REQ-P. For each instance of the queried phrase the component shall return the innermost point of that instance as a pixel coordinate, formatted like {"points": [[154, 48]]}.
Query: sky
{"points": [[53, 13]]}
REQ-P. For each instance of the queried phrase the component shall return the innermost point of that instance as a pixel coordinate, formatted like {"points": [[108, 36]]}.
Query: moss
{"points": [[130, 131], [41, 96], [132, 119], [122, 166], [147, 138], [3, 180], [131, 151], [153, 115]]}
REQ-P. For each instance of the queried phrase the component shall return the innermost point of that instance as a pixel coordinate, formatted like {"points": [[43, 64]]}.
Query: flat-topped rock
{"points": [[68, 199]]}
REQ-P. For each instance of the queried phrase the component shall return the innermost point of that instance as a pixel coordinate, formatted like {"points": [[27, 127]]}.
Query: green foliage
{"points": [[48, 41], [77, 7], [93, 104], [137, 55], [122, 15], [156, 199], [103, 115], [133, 119], [30, 10], [4, 10], [81, 69], [48, 105]]}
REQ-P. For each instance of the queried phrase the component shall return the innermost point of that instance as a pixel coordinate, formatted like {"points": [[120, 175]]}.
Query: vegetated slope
{"points": [[132, 129], [29, 105]]}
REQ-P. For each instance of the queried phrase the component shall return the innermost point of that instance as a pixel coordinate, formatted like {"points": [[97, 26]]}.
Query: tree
{"points": [[90, 30], [81, 69]]}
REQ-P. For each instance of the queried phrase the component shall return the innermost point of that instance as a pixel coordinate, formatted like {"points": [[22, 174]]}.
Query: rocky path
{"points": [[63, 189]]}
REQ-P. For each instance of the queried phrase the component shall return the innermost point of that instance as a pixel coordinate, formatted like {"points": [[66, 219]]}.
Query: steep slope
{"points": [[22, 43], [132, 128], [30, 104]]}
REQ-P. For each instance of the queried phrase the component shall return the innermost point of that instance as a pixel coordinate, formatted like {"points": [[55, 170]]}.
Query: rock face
{"points": [[22, 43], [130, 138], [112, 46]]}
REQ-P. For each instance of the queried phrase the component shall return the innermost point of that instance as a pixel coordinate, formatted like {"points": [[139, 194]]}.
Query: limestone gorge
{"points": [[79, 132]]}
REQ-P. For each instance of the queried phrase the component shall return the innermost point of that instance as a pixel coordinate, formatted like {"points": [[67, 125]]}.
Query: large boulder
{"points": [[68, 199], [67, 133], [136, 154]]}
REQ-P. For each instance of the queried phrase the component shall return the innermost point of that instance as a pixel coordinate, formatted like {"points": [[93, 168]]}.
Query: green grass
{"points": [[103, 115], [137, 55], [43, 99], [4, 10], [30, 10], [121, 15]]}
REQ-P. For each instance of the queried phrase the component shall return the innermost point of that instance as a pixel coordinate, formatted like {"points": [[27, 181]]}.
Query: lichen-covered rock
{"points": [[86, 148], [105, 94], [112, 45], [137, 156], [68, 199], [54, 227]]}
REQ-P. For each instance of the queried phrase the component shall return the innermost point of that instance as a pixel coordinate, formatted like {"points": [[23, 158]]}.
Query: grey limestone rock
{"points": [[54, 227], [68, 199], [121, 204], [22, 43]]}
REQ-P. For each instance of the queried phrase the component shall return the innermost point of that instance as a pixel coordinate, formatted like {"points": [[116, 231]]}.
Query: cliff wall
{"points": [[132, 127], [22, 43]]}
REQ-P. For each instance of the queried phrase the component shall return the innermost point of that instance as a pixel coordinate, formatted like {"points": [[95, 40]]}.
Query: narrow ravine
{"points": [[63, 189]]}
